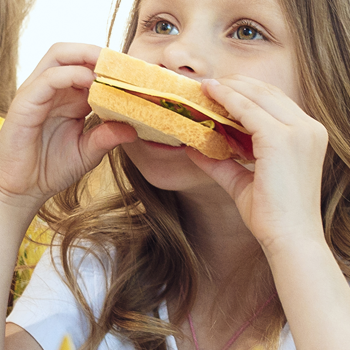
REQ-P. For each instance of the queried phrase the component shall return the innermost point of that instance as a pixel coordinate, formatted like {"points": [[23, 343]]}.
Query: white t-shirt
{"points": [[48, 311]]}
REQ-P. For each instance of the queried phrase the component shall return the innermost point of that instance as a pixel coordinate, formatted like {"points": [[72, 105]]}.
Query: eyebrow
{"points": [[244, 2], [269, 4]]}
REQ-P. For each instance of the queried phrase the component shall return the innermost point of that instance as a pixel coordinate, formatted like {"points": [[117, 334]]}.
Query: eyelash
{"points": [[148, 23], [250, 24]]}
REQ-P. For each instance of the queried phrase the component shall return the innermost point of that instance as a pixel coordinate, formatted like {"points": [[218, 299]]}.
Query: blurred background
{"points": [[51, 21]]}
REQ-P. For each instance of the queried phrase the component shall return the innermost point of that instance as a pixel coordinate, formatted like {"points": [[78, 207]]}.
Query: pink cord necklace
{"points": [[237, 334]]}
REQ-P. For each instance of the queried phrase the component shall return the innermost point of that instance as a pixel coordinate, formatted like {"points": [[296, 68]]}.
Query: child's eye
{"points": [[159, 25], [247, 31], [166, 28]]}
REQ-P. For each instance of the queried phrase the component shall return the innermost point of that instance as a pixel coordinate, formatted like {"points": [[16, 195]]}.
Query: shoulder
{"points": [[286, 339], [48, 309]]}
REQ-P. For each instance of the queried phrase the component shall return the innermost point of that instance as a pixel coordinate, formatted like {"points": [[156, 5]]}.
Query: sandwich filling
{"points": [[235, 134]]}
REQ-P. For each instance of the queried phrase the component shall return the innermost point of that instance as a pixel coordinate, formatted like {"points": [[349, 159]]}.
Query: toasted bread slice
{"points": [[155, 123], [119, 66]]}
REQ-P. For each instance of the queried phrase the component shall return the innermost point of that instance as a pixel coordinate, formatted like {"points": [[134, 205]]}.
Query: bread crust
{"points": [[119, 66], [155, 123]]}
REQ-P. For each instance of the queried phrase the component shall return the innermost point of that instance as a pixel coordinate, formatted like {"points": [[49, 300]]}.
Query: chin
{"points": [[167, 168]]}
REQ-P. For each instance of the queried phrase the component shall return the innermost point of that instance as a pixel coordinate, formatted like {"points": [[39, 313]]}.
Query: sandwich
{"points": [[165, 107]]}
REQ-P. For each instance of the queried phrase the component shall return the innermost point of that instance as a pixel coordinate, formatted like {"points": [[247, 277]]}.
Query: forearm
{"points": [[13, 225], [314, 294]]}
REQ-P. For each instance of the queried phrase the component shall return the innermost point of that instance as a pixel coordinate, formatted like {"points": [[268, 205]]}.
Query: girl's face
{"points": [[209, 39]]}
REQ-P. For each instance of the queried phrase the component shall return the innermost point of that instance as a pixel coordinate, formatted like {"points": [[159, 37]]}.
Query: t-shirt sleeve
{"points": [[48, 310]]}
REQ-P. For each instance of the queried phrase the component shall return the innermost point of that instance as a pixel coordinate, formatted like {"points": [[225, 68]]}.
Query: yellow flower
{"points": [[67, 343], [35, 243], [33, 246]]}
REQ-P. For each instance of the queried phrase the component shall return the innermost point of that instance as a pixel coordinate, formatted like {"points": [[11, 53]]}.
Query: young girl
{"points": [[181, 251]]}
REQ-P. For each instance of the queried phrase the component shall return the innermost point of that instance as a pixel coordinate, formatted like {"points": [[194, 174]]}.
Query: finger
{"points": [[64, 54], [248, 113], [38, 98], [71, 103], [265, 95], [278, 123], [103, 138], [268, 97], [230, 175]]}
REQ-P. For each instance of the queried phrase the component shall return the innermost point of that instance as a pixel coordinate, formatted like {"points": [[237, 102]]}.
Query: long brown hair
{"points": [[12, 14], [322, 34], [143, 223]]}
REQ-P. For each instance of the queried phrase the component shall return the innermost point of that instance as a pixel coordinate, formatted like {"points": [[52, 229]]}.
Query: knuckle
{"points": [[267, 91], [313, 136], [56, 48], [247, 104], [323, 134], [49, 73], [322, 130], [319, 130], [274, 90]]}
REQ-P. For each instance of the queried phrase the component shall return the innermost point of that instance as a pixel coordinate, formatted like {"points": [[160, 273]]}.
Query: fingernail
{"points": [[212, 82]]}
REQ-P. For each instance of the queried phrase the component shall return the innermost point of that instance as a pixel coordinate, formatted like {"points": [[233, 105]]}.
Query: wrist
{"points": [[18, 210], [297, 240], [311, 285]]}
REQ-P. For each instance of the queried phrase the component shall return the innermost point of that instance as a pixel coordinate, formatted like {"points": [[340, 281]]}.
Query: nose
{"points": [[188, 55]]}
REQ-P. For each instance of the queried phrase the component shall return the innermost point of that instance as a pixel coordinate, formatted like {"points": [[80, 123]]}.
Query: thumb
{"points": [[103, 138], [230, 175]]}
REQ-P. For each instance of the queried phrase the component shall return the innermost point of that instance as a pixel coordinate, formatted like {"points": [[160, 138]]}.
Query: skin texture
{"points": [[229, 211]]}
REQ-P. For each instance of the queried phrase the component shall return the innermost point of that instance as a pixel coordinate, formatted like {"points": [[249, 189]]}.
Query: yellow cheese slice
{"points": [[67, 343], [167, 96]]}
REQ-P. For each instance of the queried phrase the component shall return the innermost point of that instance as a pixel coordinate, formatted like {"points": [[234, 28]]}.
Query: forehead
{"points": [[264, 9], [269, 5]]}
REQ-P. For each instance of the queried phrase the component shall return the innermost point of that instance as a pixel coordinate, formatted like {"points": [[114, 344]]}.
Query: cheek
{"points": [[287, 80], [283, 74], [136, 50], [277, 68], [142, 51], [133, 49]]}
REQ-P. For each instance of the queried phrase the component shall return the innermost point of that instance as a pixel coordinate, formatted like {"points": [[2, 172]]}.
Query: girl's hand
{"points": [[281, 198], [42, 146]]}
